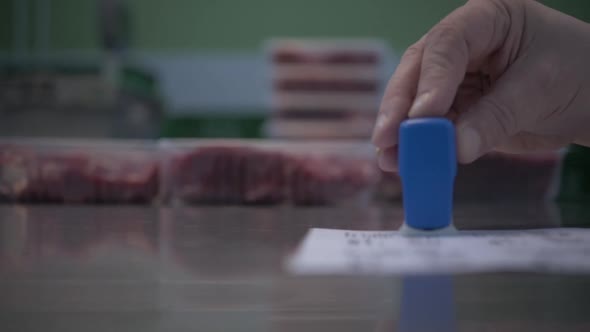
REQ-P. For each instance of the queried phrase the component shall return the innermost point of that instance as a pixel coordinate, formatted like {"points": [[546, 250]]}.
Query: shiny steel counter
{"points": [[105, 268]]}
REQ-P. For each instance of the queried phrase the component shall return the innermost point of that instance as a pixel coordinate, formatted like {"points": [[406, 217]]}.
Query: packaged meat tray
{"points": [[65, 171], [324, 88], [267, 172]]}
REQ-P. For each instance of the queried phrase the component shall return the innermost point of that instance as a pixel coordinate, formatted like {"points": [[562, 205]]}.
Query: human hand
{"points": [[513, 75]]}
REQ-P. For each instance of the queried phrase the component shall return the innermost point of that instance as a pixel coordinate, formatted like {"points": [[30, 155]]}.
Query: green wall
{"points": [[74, 24], [577, 8], [229, 24], [242, 24], [5, 24]]}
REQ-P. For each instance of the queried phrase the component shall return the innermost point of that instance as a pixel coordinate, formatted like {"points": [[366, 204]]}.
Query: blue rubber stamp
{"points": [[427, 166]]}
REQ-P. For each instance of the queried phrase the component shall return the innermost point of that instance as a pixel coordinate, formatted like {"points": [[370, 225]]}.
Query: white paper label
{"points": [[325, 251]]}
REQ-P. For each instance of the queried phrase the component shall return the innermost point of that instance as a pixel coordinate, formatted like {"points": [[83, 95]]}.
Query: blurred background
{"points": [[243, 69], [191, 68]]}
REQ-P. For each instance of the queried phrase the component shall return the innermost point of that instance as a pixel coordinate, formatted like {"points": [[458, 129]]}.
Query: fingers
{"points": [[459, 42], [497, 116], [471, 89], [387, 159], [398, 97], [429, 73]]}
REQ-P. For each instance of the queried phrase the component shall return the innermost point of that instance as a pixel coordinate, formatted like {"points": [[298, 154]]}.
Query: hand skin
{"points": [[535, 91]]}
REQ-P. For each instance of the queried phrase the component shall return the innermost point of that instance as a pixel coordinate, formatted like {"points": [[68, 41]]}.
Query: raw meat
{"points": [[317, 85], [228, 175], [16, 172], [62, 176], [246, 175], [324, 180], [285, 56]]}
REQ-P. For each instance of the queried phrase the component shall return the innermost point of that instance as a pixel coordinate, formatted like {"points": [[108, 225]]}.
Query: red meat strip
{"points": [[240, 175], [228, 175], [79, 177]]}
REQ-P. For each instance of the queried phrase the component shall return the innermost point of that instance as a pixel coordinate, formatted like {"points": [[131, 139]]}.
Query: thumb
{"points": [[497, 116]]}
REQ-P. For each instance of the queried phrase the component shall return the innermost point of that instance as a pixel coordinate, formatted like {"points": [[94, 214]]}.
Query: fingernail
{"points": [[380, 120], [419, 104], [468, 144], [379, 123], [385, 162]]}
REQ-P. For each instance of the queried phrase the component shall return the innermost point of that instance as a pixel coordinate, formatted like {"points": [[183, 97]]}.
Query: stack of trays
{"points": [[324, 88]]}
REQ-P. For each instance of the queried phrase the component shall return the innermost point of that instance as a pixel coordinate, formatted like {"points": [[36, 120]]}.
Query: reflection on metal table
{"points": [[126, 268]]}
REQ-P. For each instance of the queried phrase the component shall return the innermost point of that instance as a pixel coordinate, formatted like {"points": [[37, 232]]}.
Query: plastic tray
{"points": [[325, 50], [267, 172], [88, 171]]}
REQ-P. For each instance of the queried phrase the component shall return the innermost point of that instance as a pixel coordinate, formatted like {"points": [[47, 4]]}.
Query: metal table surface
{"points": [[130, 268]]}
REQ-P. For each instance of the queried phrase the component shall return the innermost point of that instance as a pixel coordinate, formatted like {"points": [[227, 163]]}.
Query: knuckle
{"points": [[439, 63], [412, 52], [445, 47], [395, 102], [502, 115], [445, 33], [496, 7]]}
